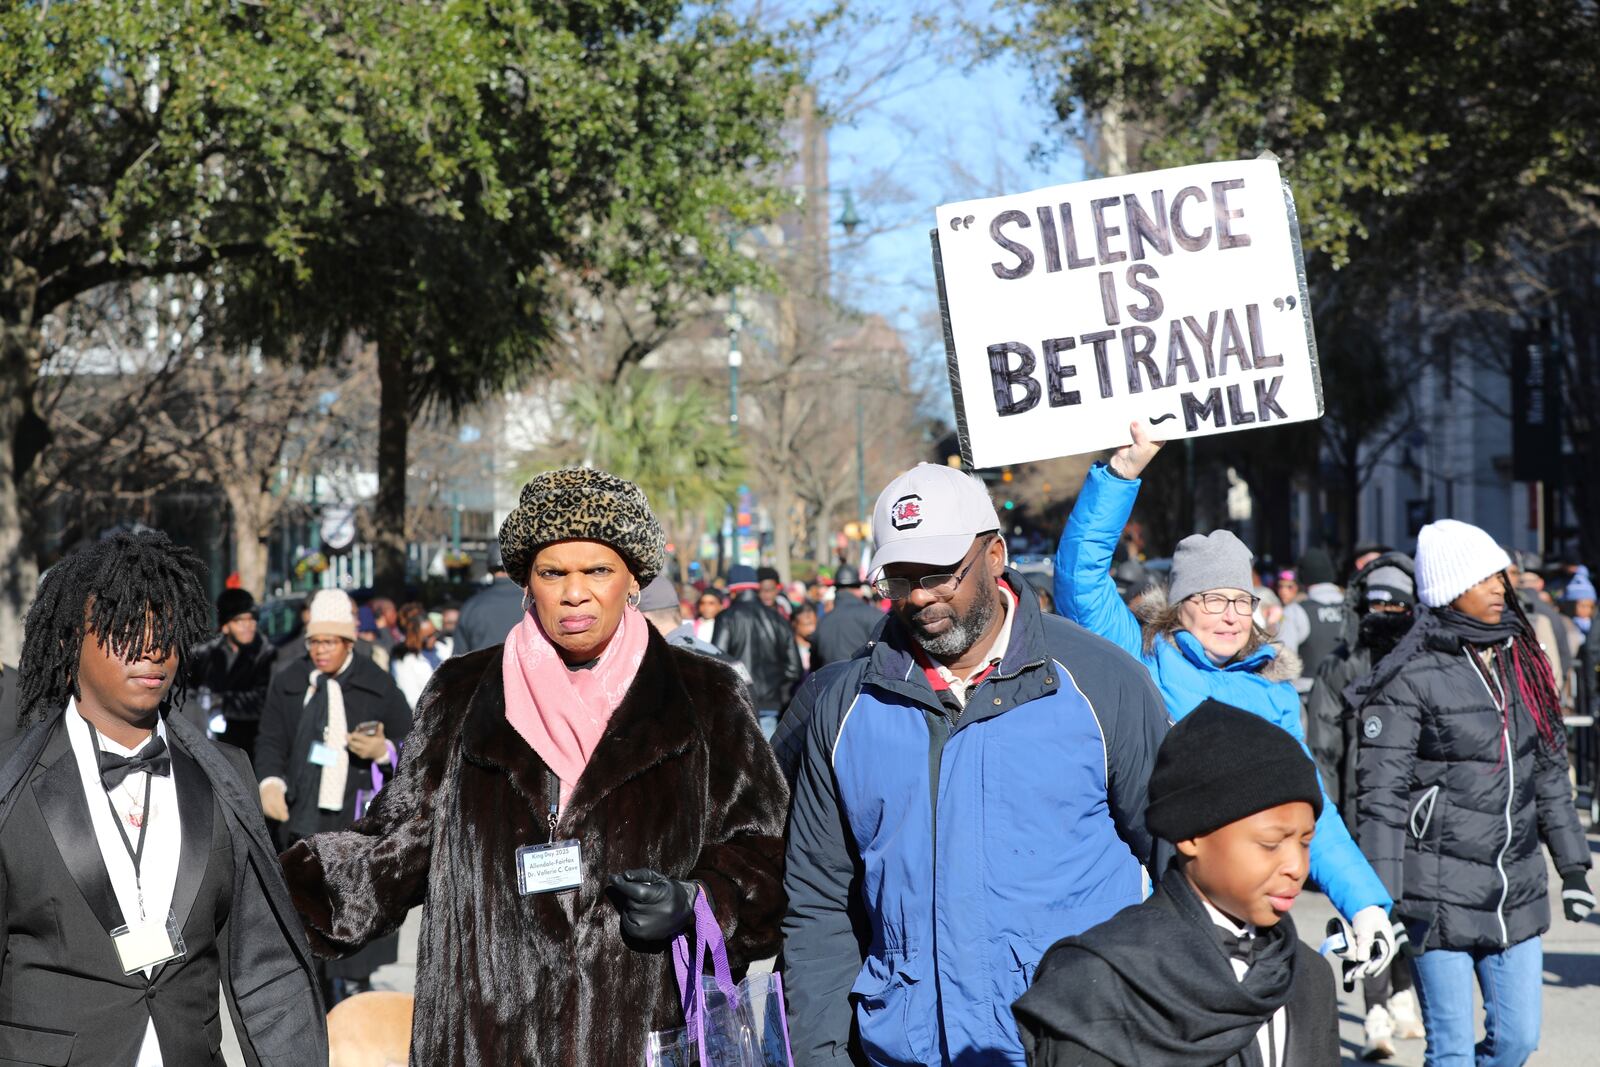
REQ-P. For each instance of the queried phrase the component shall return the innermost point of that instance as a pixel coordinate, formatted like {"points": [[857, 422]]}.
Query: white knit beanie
{"points": [[1452, 557], [333, 614]]}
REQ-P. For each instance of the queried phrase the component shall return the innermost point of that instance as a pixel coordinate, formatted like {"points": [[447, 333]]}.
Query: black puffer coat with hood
{"points": [[1456, 790]]}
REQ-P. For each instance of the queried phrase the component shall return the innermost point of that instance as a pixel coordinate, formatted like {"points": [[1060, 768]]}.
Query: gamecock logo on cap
{"points": [[906, 513]]}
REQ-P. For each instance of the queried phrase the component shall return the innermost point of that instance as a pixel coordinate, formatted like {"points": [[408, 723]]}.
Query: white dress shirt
{"points": [[1272, 1038], [158, 869]]}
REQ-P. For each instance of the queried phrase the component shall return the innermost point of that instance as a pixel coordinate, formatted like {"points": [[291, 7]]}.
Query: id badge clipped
{"points": [[552, 868], [322, 755], [149, 944]]}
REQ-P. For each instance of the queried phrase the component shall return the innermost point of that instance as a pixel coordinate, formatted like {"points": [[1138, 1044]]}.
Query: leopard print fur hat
{"points": [[582, 504]]}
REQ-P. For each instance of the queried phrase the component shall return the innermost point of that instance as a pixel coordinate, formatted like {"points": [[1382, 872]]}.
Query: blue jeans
{"points": [[769, 723], [1512, 982]]}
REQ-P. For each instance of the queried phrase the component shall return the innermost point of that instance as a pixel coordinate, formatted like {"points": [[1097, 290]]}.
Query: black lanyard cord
{"points": [[553, 784], [136, 855]]}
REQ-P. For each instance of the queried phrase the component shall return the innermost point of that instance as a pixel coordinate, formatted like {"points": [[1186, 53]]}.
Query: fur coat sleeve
{"points": [[741, 861]]}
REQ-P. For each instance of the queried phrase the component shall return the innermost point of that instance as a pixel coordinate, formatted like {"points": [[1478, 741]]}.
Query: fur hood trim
{"points": [[1285, 665]]}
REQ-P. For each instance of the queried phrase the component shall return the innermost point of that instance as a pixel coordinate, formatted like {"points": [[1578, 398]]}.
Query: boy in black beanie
{"points": [[1209, 971]]}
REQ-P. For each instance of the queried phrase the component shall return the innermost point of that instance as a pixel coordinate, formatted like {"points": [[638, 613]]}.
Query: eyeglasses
{"points": [[1217, 603], [942, 586]]}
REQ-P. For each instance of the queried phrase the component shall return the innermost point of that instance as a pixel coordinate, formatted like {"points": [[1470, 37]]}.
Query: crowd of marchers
{"points": [[976, 822]]}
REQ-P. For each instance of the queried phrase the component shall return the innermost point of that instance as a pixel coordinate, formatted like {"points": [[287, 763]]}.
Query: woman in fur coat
{"points": [[1200, 642], [640, 764]]}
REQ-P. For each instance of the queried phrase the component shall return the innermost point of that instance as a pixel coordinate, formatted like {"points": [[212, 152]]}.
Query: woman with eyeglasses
{"points": [[1199, 641]]}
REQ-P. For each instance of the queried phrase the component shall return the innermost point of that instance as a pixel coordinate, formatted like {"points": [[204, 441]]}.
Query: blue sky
{"points": [[930, 131]]}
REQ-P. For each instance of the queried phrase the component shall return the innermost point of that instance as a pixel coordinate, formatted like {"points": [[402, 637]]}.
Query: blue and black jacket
{"points": [[935, 854]]}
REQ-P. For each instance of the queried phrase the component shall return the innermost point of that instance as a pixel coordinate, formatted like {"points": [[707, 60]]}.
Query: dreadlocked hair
{"points": [[137, 593], [1535, 682]]}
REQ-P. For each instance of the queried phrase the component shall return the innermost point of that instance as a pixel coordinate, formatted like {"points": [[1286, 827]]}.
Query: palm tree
{"points": [[667, 437]]}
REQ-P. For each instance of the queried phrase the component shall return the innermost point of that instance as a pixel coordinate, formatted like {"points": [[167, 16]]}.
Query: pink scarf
{"points": [[562, 713]]}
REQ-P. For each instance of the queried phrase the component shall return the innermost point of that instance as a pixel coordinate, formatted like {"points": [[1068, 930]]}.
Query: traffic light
{"points": [[1011, 505]]}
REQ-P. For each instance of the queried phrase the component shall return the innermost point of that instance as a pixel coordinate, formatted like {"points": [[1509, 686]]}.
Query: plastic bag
{"points": [[725, 1024]]}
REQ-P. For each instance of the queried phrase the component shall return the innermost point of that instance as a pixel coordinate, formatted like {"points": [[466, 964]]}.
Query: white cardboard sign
{"points": [[1175, 296]]}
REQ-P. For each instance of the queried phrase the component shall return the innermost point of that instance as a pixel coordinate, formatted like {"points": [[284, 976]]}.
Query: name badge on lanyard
{"points": [[148, 944], [553, 867]]}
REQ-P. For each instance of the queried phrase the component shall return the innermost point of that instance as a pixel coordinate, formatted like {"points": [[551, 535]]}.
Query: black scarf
{"points": [[1469, 631], [1436, 629], [1177, 1002]]}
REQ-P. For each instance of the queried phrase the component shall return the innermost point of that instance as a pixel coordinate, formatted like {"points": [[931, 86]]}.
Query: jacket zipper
{"points": [[1500, 704]]}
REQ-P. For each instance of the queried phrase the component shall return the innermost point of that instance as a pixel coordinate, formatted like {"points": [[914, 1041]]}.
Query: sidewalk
{"points": [[1571, 1035]]}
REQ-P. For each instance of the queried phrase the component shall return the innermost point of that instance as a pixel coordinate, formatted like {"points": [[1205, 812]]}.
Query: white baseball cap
{"points": [[929, 515]]}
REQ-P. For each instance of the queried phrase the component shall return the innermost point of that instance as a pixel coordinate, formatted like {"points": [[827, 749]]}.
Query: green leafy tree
{"points": [[1409, 130], [415, 172], [609, 145], [674, 442], [165, 139], [1418, 138]]}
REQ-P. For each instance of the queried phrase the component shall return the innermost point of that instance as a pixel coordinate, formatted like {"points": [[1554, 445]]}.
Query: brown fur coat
{"points": [[682, 781]]}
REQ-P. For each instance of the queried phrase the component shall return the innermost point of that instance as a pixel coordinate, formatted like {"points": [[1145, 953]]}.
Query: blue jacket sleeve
{"points": [[821, 953], [1338, 866], [1085, 591]]}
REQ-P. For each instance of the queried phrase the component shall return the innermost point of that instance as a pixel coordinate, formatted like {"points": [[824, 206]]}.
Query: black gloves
{"points": [[654, 907], [1576, 900]]}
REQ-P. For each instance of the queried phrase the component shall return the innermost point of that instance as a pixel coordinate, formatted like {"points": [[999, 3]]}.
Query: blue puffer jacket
{"points": [[1186, 676], [933, 855]]}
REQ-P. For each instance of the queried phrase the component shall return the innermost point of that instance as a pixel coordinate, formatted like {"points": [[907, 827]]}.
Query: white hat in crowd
{"points": [[1452, 557], [929, 515], [333, 614]]}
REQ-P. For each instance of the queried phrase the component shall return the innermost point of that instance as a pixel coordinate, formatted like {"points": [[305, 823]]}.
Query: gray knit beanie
{"points": [[1217, 560]]}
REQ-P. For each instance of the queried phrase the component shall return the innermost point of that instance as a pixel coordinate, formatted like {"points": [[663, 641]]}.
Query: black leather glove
{"points": [[654, 907], [1576, 899]]}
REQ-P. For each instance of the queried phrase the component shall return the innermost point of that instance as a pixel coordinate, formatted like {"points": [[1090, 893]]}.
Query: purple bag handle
{"points": [[707, 939], [364, 799]]}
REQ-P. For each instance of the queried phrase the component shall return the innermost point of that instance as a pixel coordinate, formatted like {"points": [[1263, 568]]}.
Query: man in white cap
{"points": [[970, 789]]}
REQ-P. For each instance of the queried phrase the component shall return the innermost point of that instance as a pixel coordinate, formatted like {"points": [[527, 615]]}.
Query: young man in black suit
{"points": [[135, 869]]}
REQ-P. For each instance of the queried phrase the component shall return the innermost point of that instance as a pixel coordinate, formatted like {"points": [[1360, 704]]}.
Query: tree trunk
{"points": [[822, 538], [21, 437], [782, 498], [394, 428], [249, 529], [18, 567]]}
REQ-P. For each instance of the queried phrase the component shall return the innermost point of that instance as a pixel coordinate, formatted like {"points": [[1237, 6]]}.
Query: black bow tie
{"points": [[1240, 948], [151, 759]]}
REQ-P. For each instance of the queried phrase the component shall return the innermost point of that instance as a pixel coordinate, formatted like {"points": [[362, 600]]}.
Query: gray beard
{"points": [[966, 631]]}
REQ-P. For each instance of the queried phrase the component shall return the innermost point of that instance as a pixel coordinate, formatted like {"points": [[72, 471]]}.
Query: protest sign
{"points": [[1175, 296]]}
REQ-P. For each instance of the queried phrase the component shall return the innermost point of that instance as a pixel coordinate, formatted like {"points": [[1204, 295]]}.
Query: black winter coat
{"points": [[1450, 822], [283, 747], [760, 638], [681, 781], [487, 616], [1330, 726], [237, 680], [844, 630]]}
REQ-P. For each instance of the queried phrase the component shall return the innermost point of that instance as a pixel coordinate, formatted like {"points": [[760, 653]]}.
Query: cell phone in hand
{"points": [[370, 728]]}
